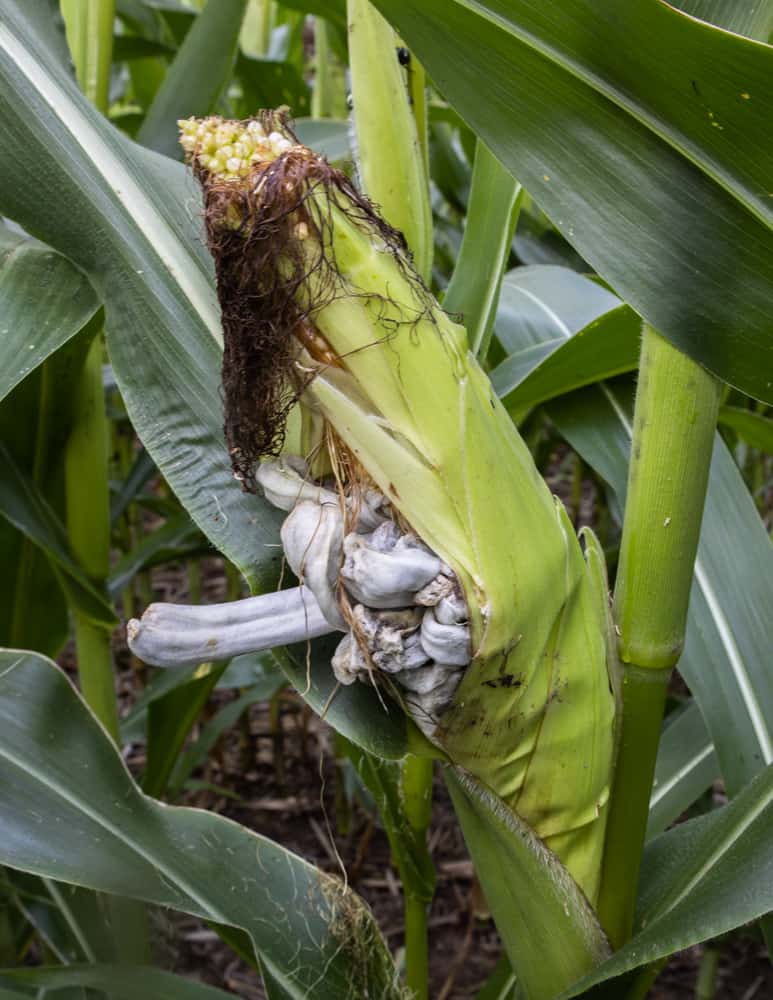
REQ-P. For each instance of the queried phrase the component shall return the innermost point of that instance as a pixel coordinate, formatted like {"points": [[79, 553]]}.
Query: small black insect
{"points": [[403, 56], [349, 101]]}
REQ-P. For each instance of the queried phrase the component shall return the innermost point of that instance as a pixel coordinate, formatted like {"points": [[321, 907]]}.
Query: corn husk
{"points": [[399, 403]]}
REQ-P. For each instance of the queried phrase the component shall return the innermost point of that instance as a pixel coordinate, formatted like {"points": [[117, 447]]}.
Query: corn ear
{"points": [[393, 379]]}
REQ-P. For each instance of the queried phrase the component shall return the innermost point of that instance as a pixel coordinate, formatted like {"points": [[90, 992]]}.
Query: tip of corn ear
{"points": [[231, 150]]}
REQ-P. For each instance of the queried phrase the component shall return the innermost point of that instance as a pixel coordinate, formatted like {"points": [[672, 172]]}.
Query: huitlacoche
{"points": [[400, 605]]}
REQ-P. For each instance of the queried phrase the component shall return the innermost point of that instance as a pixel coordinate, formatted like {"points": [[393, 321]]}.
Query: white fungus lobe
{"points": [[312, 535], [406, 619]]}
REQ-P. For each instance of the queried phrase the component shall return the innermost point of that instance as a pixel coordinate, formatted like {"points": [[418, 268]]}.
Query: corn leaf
{"points": [[142, 468], [170, 720], [177, 538], [549, 931], [252, 670], [360, 713], [22, 503], [29, 896], [332, 10], [390, 164], [726, 656], [73, 922], [269, 83], [753, 428], [501, 983], [128, 218], [686, 767], [44, 301], [327, 136], [728, 633], [654, 160], [561, 331], [382, 778], [183, 858], [197, 76], [35, 422], [123, 982], [754, 20], [492, 212], [701, 879]]}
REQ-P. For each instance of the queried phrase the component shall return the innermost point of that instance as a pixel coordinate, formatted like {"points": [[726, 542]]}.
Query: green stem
{"points": [[706, 984], [417, 804], [644, 695], [321, 95], [88, 529], [89, 25], [416, 946], [673, 436]]}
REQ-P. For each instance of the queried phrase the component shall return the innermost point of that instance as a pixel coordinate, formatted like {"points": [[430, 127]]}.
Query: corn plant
{"points": [[341, 377]]}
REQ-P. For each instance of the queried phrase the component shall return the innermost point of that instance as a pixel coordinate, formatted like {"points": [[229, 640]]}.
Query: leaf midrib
{"points": [[715, 855], [665, 787], [122, 185]]}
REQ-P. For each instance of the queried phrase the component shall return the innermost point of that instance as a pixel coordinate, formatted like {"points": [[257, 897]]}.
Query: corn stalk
{"points": [[675, 418], [90, 32]]}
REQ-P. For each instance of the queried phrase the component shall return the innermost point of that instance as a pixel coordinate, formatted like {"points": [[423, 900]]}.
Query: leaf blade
{"points": [[126, 216], [686, 766], [124, 982], [701, 879], [114, 839], [724, 659], [591, 117], [197, 76], [26, 508], [44, 301], [549, 930]]}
